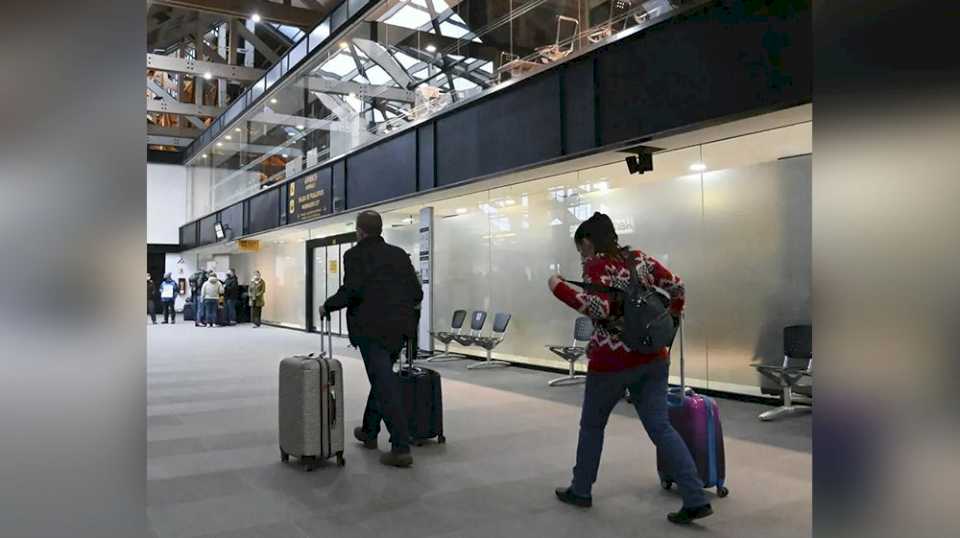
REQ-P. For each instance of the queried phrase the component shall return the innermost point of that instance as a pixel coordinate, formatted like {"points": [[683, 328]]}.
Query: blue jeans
{"points": [[197, 309], [385, 401], [210, 311], [231, 313], [648, 390]]}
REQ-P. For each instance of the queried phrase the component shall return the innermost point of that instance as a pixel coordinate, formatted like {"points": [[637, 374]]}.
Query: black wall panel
{"points": [[579, 129], [717, 61], [208, 233], [383, 171], [339, 185], [426, 165], [264, 211], [232, 220], [516, 127], [188, 235]]}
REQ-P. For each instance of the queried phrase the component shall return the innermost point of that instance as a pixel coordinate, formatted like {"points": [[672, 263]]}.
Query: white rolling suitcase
{"points": [[311, 405]]}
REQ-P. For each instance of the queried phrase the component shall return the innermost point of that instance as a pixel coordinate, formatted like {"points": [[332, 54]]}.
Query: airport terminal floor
{"points": [[214, 468]]}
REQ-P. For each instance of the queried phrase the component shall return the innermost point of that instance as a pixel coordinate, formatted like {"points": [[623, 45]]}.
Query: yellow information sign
{"points": [[249, 245], [332, 266]]}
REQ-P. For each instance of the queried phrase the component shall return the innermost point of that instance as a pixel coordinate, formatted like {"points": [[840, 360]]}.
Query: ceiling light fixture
{"points": [[219, 144], [237, 129], [343, 45], [273, 101], [284, 155], [204, 155], [228, 137], [255, 17], [461, 211], [698, 167], [300, 127], [431, 48], [207, 75]]}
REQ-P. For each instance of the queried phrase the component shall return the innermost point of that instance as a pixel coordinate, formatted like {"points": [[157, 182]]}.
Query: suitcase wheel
{"points": [[309, 463], [340, 461], [441, 439], [666, 484], [284, 457], [722, 492]]}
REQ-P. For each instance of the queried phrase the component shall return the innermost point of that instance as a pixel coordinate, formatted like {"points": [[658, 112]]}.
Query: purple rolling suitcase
{"points": [[697, 419]]}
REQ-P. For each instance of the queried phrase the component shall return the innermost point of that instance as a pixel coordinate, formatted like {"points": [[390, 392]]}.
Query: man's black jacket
{"points": [[231, 288], [380, 292]]}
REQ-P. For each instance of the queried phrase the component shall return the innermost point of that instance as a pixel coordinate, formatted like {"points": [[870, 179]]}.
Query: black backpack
{"points": [[648, 326]]}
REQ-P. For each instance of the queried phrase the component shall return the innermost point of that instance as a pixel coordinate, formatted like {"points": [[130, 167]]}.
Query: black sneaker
{"points": [[568, 496], [686, 515], [365, 438]]}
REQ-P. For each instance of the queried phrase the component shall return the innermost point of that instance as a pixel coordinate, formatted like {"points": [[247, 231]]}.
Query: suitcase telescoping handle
{"points": [[326, 336], [683, 377]]}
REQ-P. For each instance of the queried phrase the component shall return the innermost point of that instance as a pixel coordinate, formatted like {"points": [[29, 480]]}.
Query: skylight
{"points": [[405, 60], [451, 30], [462, 84], [376, 75], [409, 17], [341, 64]]}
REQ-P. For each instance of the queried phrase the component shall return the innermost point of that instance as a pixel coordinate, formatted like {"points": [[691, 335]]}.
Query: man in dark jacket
{"points": [[231, 296], [380, 292], [196, 282], [151, 299]]}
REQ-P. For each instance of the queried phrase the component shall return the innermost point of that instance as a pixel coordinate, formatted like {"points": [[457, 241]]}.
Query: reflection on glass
{"points": [[405, 61]]}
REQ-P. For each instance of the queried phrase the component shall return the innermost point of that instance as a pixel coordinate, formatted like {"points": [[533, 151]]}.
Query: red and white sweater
{"points": [[606, 351]]}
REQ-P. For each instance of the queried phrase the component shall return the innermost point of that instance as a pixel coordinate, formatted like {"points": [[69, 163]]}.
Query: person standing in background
{"points": [[196, 283], [210, 293], [151, 296], [256, 291], [168, 294], [231, 294]]}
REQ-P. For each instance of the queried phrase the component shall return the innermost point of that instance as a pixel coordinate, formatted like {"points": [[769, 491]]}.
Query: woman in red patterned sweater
{"points": [[613, 367]]}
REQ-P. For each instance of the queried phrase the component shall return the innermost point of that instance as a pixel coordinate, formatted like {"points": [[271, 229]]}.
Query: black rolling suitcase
{"points": [[188, 314], [422, 398]]}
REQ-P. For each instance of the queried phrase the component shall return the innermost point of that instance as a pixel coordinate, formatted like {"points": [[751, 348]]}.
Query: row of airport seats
{"points": [[473, 337], [797, 362]]}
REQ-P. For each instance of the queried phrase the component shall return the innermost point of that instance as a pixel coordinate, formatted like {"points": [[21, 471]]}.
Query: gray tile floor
{"points": [[214, 468]]}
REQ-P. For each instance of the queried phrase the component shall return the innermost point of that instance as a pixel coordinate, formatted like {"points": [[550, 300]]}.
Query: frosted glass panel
{"points": [[462, 257]]}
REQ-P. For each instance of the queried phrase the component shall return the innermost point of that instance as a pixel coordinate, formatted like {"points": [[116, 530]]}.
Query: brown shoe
{"points": [[394, 459]]}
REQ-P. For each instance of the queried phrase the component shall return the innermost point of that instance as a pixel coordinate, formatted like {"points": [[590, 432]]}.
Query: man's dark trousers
{"points": [[385, 401], [169, 313]]}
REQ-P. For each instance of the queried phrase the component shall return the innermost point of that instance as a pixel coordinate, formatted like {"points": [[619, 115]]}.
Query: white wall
{"points": [[166, 203]]}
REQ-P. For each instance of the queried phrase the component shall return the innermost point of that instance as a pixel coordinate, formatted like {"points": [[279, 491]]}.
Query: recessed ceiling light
{"points": [[273, 101], [228, 137], [461, 210], [207, 75], [353, 95], [204, 155], [300, 127], [237, 129], [698, 167], [343, 45], [219, 144], [284, 155], [431, 48], [255, 17]]}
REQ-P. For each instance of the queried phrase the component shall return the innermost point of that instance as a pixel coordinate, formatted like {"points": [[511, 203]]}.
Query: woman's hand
{"points": [[553, 281]]}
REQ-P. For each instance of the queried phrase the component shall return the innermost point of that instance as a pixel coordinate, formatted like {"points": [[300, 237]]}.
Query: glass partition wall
{"points": [[732, 218], [405, 60]]}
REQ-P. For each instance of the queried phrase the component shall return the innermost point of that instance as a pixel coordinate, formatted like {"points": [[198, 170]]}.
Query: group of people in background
{"points": [[208, 294]]}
